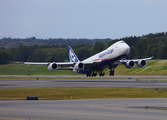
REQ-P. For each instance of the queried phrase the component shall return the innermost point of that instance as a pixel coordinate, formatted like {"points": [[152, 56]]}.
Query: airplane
{"points": [[109, 58]]}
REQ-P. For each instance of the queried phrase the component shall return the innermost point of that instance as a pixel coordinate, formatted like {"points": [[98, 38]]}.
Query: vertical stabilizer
{"points": [[72, 56]]}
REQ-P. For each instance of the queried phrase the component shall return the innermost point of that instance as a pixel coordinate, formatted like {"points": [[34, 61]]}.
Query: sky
{"points": [[89, 19]]}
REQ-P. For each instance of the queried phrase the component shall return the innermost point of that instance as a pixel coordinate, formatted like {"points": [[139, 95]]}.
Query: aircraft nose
{"points": [[125, 49]]}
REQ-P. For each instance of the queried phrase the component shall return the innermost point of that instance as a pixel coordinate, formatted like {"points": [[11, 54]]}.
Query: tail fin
{"points": [[72, 56]]}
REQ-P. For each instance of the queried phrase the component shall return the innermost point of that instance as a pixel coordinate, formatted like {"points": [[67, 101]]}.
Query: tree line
{"points": [[144, 46], [15, 42]]}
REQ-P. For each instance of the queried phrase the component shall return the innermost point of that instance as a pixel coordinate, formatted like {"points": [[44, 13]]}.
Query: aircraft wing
{"points": [[135, 60], [143, 59], [61, 64]]}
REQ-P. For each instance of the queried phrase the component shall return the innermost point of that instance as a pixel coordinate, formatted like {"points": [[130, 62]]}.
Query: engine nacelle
{"points": [[52, 66], [141, 63], [129, 64], [78, 66]]}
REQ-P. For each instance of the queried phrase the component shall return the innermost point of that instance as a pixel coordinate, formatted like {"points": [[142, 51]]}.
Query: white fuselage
{"points": [[117, 50]]}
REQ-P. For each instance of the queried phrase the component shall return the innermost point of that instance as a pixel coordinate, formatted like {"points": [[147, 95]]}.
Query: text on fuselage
{"points": [[105, 53]]}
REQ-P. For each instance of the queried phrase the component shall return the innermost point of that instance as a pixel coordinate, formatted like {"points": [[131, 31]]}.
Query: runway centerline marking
{"points": [[84, 114]]}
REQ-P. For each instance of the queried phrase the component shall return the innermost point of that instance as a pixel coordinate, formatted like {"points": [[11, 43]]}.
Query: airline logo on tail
{"points": [[71, 54]]}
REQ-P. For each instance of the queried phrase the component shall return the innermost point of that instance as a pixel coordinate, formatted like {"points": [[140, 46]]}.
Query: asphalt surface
{"points": [[84, 76], [110, 109], [82, 81]]}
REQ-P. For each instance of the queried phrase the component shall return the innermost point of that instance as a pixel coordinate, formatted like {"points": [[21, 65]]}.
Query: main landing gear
{"points": [[112, 72], [94, 74], [89, 74], [101, 73]]}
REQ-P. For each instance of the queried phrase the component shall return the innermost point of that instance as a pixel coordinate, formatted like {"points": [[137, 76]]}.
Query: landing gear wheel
{"points": [[112, 72], [88, 74], [94, 74], [101, 73]]}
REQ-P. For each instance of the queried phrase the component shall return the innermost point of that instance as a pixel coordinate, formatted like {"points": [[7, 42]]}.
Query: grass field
{"points": [[21, 69], [82, 93], [153, 67]]}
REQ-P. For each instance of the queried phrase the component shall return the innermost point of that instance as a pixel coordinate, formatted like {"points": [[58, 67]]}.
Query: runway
{"points": [[107, 109], [84, 76], [110, 109], [124, 82]]}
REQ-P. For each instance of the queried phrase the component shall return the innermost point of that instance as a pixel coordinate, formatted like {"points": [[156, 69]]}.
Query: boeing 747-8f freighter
{"points": [[109, 58]]}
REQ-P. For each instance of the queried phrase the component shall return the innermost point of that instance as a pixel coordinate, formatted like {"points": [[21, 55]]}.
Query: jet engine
{"points": [[129, 64], [141, 63], [78, 66], [52, 66]]}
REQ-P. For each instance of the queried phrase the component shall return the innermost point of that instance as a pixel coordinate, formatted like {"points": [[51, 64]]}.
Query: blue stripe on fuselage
{"points": [[105, 62]]}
